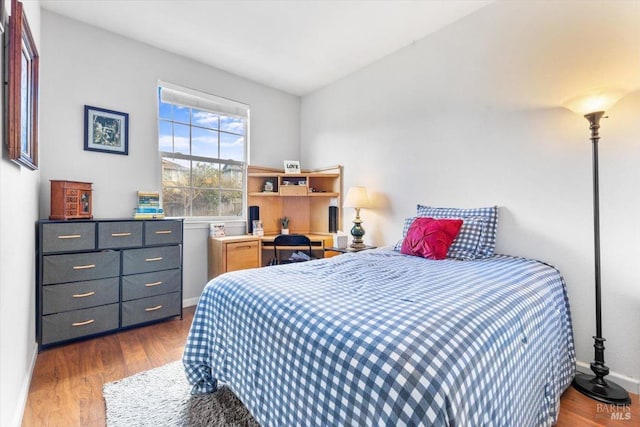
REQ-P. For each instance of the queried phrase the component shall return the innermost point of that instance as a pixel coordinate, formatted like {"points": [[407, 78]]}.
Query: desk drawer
{"points": [[241, 255], [162, 232], [79, 267], [79, 323], [75, 296], [120, 234], [149, 284], [64, 237], [152, 308], [150, 259]]}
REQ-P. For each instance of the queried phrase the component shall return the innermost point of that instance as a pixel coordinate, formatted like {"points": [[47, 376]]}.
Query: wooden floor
{"points": [[66, 388]]}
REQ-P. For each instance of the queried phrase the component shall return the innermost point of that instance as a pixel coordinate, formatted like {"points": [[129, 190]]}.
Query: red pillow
{"points": [[430, 238]]}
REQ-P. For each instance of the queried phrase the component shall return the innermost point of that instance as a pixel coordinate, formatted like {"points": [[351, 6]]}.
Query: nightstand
{"points": [[348, 249]]}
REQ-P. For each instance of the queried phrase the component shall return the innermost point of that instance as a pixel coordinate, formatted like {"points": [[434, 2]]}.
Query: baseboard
{"points": [[190, 302], [632, 385], [24, 390]]}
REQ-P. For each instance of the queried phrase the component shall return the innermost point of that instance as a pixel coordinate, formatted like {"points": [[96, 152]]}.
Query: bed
{"points": [[380, 338]]}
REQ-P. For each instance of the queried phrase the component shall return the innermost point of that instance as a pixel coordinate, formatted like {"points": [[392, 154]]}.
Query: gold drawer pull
{"points": [[120, 234], [148, 285], [70, 236], [88, 294], [83, 267], [157, 307], [86, 322], [164, 232], [158, 258]]}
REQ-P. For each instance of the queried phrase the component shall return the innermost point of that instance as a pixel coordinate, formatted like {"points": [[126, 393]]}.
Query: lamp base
{"points": [[357, 232], [601, 390]]}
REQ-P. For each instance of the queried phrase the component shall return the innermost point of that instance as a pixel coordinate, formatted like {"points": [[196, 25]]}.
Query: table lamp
{"points": [[357, 198]]}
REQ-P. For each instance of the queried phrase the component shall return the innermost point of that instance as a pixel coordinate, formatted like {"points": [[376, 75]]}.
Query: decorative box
{"points": [[340, 240], [71, 200]]}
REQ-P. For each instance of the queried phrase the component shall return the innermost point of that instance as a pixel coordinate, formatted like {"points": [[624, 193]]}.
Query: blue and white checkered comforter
{"points": [[384, 339]]}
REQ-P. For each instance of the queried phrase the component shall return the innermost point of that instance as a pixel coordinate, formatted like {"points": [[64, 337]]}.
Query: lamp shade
{"points": [[357, 198], [595, 100]]}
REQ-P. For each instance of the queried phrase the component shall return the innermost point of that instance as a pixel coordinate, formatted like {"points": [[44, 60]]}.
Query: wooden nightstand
{"points": [[232, 253], [348, 249]]}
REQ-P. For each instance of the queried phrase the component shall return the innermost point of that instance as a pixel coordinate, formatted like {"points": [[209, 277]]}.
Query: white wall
{"points": [[91, 66], [18, 214], [471, 116]]}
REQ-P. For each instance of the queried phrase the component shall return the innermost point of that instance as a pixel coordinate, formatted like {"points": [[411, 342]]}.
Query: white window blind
{"points": [[174, 94]]}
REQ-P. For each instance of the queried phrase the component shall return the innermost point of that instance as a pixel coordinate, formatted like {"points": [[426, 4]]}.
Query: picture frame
{"points": [[2, 16], [291, 166], [106, 131], [22, 91]]}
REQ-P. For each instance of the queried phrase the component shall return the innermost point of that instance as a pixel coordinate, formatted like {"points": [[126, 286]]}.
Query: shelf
{"points": [[307, 210], [292, 175], [323, 194], [264, 194], [276, 194]]}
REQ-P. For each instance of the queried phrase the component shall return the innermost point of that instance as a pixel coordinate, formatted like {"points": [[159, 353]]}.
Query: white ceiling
{"points": [[294, 45]]}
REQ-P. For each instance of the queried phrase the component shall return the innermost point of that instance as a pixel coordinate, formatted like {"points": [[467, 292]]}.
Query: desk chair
{"points": [[292, 242]]}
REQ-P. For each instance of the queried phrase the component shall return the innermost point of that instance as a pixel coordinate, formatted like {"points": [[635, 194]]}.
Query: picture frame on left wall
{"points": [[2, 17], [22, 90], [106, 130]]}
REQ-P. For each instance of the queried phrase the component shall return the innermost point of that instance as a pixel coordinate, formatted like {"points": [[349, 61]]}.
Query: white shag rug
{"points": [[161, 397]]}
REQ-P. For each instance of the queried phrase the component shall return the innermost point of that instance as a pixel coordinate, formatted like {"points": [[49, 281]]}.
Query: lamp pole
{"points": [[595, 386]]}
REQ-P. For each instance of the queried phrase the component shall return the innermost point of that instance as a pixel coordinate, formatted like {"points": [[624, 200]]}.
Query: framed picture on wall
{"points": [[22, 90], [106, 130], [2, 16]]}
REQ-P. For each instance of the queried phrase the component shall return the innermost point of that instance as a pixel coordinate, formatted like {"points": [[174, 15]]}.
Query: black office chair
{"points": [[298, 244]]}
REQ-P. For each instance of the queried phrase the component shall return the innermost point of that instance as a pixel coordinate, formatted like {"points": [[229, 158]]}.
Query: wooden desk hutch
{"points": [[305, 200], [303, 197]]}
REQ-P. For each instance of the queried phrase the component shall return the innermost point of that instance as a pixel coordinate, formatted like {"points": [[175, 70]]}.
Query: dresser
{"points": [[98, 276]]}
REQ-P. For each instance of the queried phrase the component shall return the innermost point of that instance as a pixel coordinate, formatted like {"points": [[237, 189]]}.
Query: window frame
{"points": [[220, 162]]}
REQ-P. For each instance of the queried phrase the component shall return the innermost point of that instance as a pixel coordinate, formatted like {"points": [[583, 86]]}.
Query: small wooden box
{"points": [[293, 190], [71, 200]]}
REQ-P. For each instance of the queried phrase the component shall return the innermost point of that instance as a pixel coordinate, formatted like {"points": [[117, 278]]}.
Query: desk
{"points": [[239, 252]]}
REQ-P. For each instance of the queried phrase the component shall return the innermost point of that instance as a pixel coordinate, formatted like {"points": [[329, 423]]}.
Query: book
{"points": [[148, 206]]}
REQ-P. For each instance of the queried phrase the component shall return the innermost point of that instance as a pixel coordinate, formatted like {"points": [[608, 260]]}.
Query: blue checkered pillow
{"points": [[405, 230], [487, 245], [465, 245]]}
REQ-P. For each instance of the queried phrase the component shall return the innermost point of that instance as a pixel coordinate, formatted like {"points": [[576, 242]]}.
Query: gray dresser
{"points": [[97, 276]]}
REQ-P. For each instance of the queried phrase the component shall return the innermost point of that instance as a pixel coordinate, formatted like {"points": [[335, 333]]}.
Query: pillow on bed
{"points": [[430, 238], [465, 245], [487, 245]]}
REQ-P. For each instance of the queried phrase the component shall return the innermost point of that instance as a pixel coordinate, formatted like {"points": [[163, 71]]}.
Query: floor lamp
{"points": [[593, 107]]}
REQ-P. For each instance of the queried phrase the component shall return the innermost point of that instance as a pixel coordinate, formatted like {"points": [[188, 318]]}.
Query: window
{"points": [[203, 147]]}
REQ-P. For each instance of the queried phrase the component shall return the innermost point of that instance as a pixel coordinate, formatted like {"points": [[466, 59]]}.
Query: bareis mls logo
{"points": [[613, 412]]}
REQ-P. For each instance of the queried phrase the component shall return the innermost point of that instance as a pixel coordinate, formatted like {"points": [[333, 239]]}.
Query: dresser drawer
{"points": [[75, 296], [162, 232], [152, 308], [149, 284], [241, 255], [71, 236], [150, 259], [78, 267], [121, 234], [79, 323]]}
